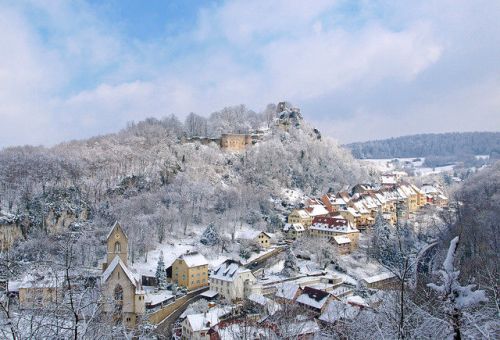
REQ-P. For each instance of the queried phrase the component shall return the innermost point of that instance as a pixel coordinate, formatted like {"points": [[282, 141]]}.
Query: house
{"points": [[380, 281], [338, 311], [122, 291], [300, 216], [293, 231], [316, 210], [287, 292], [334, 202], [232, 281], [10, 230], [329, 227], [264, 305], [190, 270], [41, 290], [314, 299], [262, 238], [343, 244], [350, 214], [199, 326]]}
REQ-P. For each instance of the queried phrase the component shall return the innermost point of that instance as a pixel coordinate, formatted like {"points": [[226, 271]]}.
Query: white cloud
{"points": [[87, 78]]}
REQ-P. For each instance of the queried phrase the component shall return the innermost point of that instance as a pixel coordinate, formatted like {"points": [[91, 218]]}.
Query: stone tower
{"points": [[117, 244]]}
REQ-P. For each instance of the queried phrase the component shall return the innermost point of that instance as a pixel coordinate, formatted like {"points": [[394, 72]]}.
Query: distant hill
{"points": [[446, 147]]}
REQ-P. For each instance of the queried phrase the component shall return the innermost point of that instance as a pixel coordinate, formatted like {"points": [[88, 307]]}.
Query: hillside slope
{"points": [[455, 146], [159, 185]]}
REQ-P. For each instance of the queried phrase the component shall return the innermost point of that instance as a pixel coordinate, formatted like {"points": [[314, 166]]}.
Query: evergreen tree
{"points": [[210, 236], [290, 267], [380, 237], [161, 274]]}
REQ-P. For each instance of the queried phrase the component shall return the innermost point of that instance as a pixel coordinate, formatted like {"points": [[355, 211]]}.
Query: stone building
{"points": [[124, 296], [235, 142]]}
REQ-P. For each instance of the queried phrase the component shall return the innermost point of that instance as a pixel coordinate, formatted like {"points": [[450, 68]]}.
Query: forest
{"points": [[438, 148], [159, 186]]}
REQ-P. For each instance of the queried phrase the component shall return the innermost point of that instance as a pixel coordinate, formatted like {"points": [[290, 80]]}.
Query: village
{"points": [[190, 297]]}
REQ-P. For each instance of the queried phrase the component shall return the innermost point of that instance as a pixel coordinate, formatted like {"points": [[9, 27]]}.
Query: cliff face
{"points": [[10, 230], [57, 211]]}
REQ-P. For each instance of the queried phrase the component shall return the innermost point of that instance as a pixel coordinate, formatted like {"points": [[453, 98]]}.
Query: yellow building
{"points": [[262, 238], [41, 290], [332, 227], [190, 270], [122, 291], [300, 216]]}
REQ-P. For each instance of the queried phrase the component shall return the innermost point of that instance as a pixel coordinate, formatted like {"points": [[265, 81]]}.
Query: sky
{"points": [[359, 70]]}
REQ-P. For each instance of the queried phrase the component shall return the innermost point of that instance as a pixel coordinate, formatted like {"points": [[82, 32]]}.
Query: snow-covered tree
{"points": [[161, 274], [290, 267], [456, 298], [210, 236], [380, 234]]}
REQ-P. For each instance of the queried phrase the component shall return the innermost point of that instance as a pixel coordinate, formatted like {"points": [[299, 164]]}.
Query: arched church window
{"points": [[118, 247], [118, 298]]}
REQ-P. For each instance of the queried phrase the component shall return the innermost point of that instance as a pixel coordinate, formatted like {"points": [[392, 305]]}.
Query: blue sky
{"points": [[358, 69]]}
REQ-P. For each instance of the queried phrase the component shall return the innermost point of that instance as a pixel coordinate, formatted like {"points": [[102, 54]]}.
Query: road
{"points": [[164, 329], [261, 261]]}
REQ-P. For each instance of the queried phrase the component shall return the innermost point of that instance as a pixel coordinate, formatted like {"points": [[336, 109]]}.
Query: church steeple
{"points": [[117, 244]]}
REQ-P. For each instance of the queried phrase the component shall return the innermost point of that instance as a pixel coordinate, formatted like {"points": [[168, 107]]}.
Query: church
{"points": [[122, 291]]}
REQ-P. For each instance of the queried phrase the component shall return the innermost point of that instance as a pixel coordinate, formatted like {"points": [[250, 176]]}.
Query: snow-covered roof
{"points": [[228, 271], [42, 280], [313, 297], [209, 293], [252, 234], [271, 306], [111, 267], [337, 310], [194, 259], [357, 300], [388, 179], [302, 213], [346, 228], [202, 321], [429, 189], [352, 211], [341, 239], [13, 286], [294, 226], [379, 277], [287, 290], [317, 210], [155, 298]]}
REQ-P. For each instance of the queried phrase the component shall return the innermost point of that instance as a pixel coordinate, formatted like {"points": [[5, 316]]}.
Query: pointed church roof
{"points": [[118, 262], [116, 225]]}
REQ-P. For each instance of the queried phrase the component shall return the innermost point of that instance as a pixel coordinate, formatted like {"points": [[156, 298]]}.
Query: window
{"points": [[118, 294], [118, 247]]}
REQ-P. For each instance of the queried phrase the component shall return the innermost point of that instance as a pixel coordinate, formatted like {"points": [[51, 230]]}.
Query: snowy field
{"points": [[415, 163]]}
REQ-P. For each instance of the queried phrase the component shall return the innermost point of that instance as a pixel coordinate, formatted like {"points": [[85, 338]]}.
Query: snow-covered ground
{"points": [[415, 163]]}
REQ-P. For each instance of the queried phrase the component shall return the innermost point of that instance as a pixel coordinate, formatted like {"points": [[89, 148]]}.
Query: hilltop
{"points": [[160, 177]]}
